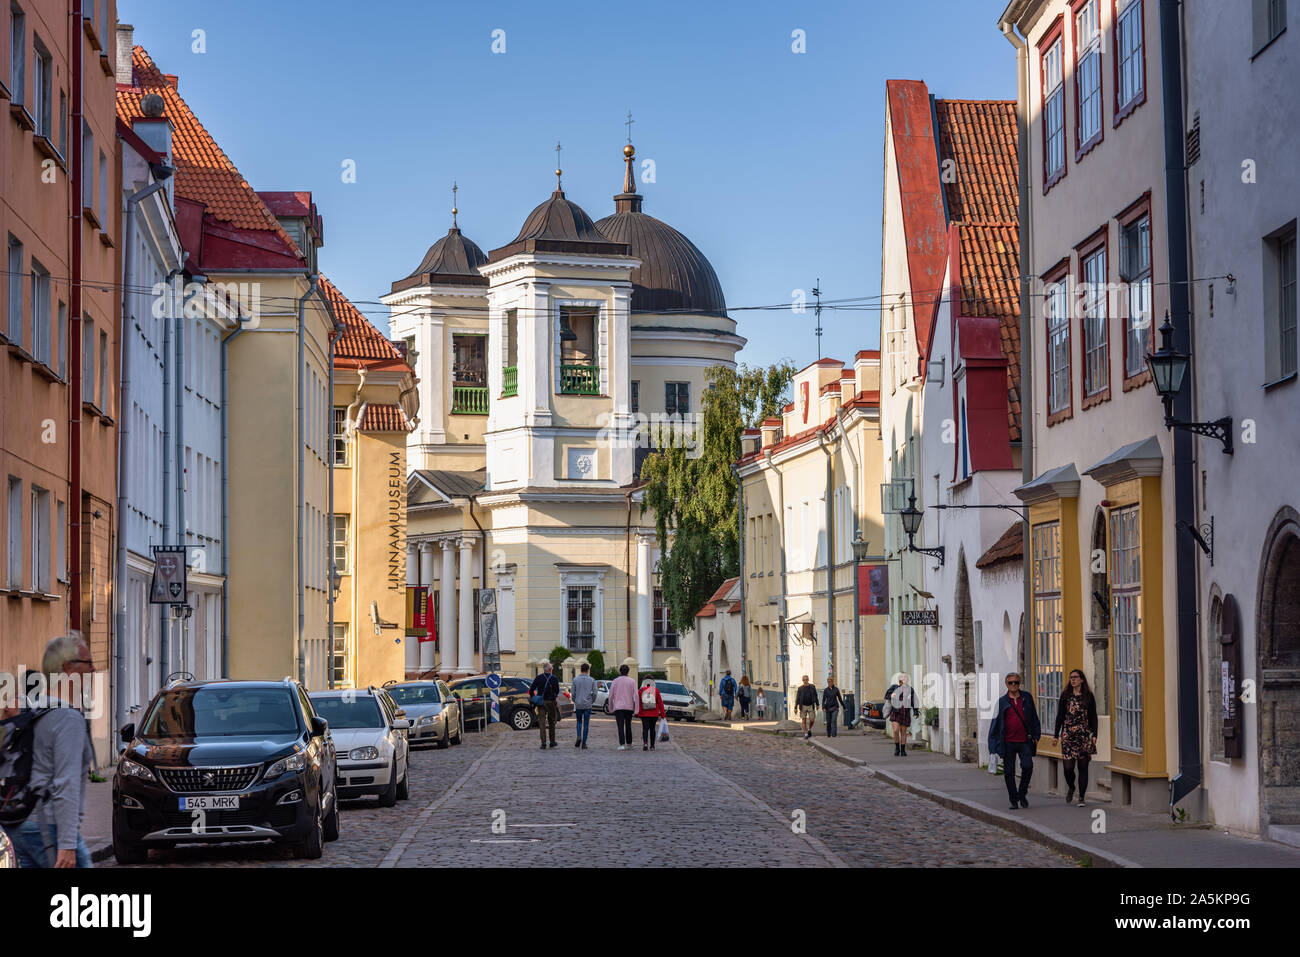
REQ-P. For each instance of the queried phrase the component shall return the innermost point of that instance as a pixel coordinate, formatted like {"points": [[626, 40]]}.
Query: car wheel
{"points": [[312, 845], [129, 852], [445, 741], [460, 729], [388, 796], [404, 788], [331, 822], [692, 720], [522, 719]]}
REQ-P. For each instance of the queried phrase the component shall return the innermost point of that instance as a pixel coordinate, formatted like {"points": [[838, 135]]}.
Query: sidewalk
{"points": [[97, 828], [1130, 839]]}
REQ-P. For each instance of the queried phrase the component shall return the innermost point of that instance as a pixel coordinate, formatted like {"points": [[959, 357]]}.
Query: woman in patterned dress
{"points": [[1076, 731]]}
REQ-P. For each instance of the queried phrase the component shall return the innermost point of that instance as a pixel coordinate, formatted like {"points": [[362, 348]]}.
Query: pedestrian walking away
{"points": [[584, 699], [727, 694], [745, 694], [622, 701], [805, 699], [1014, 735], [1076, 732], [61, 756], [760, 704], [650, 708], [901, 707], [832, 701], [542, 693]]}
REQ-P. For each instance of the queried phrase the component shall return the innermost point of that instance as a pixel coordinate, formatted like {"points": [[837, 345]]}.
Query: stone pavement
{"points": [[1110, 836]]}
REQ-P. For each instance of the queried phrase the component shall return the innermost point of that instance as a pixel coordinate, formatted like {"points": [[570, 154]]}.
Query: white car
{"points": [[602, 694], [369, 731]]}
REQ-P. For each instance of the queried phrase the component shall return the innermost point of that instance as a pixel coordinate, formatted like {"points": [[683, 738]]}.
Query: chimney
{"points": [[771, 432], [750, 440], [171, 79], [125, 44]]}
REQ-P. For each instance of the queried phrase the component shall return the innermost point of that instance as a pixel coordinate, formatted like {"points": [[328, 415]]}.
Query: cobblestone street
{"points": [[709, 797]]}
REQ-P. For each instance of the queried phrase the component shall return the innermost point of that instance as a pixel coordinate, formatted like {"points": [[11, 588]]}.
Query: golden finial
{"points": [[454, 210], [559, 184]]}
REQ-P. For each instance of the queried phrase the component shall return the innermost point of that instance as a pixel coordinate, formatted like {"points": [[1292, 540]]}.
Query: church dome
{"points": [[674, 276], [452, 261], [559, 225]]}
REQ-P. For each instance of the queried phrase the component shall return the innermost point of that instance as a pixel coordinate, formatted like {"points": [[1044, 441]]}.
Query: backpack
{"points": [[729, 685], [648, 697], [17, 744]]}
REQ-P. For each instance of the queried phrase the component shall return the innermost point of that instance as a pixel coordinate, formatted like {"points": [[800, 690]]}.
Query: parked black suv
{"points": [[226, 761]]}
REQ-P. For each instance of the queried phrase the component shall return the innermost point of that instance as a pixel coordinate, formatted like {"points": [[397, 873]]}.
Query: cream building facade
{"points": [[540, 365]]}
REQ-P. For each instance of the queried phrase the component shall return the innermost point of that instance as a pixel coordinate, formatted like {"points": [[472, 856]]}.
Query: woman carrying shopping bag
{"points": [[650, 708]]}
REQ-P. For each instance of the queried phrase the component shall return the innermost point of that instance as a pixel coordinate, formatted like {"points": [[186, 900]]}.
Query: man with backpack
{"points": [[727, 694], [45, 763], [542, 694]]}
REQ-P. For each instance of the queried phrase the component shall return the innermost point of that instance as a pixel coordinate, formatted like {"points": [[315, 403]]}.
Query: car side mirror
{"points": [[319, 727], [401, 724], [399, 713], [127, 732]]}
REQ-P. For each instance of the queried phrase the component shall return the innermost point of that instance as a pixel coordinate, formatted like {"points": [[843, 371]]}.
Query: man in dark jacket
{"points": [[1014, 734], [832, 701], [805, 699], [547, 687]]}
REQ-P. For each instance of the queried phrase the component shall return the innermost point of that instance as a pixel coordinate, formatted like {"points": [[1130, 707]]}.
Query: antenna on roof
{"points": [[454, 210], [817, 294]]}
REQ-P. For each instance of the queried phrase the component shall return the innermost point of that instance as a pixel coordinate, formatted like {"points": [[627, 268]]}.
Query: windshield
{"points": [[668, 687], [344, 715], [220, 710], [416, 694]]}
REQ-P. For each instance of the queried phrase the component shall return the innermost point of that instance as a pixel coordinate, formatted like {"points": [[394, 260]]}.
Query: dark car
{"points": [[873, 714], [216, 761], [434, 712], [512, 701]]}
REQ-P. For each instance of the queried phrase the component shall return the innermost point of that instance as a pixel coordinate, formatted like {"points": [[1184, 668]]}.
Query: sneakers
{"points": [[1082, 802], [1015, 807], [1069, 795], [622, 747], [645, 747], [553, 744], [543, 745], [1024, 802]]}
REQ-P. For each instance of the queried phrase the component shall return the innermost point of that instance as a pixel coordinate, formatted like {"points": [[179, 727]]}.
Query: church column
{"points": [[426, 660], [541, 358], [466, 658], [644, 635], [447, 611], [432, 373]]}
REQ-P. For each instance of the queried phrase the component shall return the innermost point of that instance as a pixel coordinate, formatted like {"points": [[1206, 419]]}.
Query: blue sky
{"points": [[770, 161]]}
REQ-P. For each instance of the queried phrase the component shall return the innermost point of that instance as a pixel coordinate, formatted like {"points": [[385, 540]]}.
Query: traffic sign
{"points": [[494, 687]]}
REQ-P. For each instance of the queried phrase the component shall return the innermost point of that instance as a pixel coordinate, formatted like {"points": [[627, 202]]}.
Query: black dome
{"points": [[674, 276], [559, 225], [452, 260]]}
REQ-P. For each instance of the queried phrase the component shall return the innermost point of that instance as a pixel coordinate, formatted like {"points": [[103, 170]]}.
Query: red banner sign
{"points": [[873, 589]]}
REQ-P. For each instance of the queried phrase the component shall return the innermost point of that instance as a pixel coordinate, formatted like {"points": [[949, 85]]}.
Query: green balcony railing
{"points": [[509, 381], [469, 400], [580, 380]]}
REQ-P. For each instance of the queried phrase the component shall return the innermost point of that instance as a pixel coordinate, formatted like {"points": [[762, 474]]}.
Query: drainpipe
{"points": [[784, 643], [225, 493], [1026, 310], [627, 573], [482, 584], [740, 521], [123, 451], [75, 387], [857, 529], [830, 556], [180, 466], [1184, 443], [329, 538], [312, 279], [164, 619]]}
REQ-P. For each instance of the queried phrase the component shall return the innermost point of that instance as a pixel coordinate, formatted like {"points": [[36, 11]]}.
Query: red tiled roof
{"points": [[384, 418], [979, 137], [360, 339], [868, 354], [717, 599], [203, 172], [287, 202], [1008, 548]]}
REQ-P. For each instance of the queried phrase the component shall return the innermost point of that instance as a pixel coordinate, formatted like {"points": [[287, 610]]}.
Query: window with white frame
{"points": [[40, 540], [40, 312], [1087, 72], [580, 617], [1126, 625], [1135, 273], [341, 566], [1092, 299], [43, 90], [677, 398], [665, 634], [1053, 111], [1129, 67], [14, 528], [339, 438], [1058, 346], [342, 657], [1280, 305], [1049, 629]]}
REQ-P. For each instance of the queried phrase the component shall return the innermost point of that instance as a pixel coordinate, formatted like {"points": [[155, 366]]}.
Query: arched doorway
{"points": [[1279, 671], [964, 682]]}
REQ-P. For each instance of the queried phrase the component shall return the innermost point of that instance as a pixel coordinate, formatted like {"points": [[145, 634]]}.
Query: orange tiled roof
{"points": [[717, 600], [203, 172], [384, 418], [979, 136], [1008, 548], [360, 339]]}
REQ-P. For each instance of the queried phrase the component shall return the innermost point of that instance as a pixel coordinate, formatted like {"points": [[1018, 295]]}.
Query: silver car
{"points": [[434, 712], [679, 701]]}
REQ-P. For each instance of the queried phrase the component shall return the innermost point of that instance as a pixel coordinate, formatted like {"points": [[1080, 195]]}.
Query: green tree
{"points": [[692, 490], [597, 662], [558, 656]]}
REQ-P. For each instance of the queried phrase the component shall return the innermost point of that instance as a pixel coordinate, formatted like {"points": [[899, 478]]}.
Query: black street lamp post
{"points": [[1168, 368], [911, 518]]}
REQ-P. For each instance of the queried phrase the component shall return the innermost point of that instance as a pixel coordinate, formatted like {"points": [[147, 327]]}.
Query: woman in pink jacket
{"points": [[650, 708], [622, 701]]}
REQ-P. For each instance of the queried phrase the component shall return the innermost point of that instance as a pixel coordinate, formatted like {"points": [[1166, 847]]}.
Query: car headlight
{"points": [[294, 762], [363, 754], [130, 769], [428, 719]]}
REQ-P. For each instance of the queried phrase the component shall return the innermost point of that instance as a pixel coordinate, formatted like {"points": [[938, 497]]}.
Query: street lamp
{"points": [[1168, 369], [911, 518], [859, 556]]}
